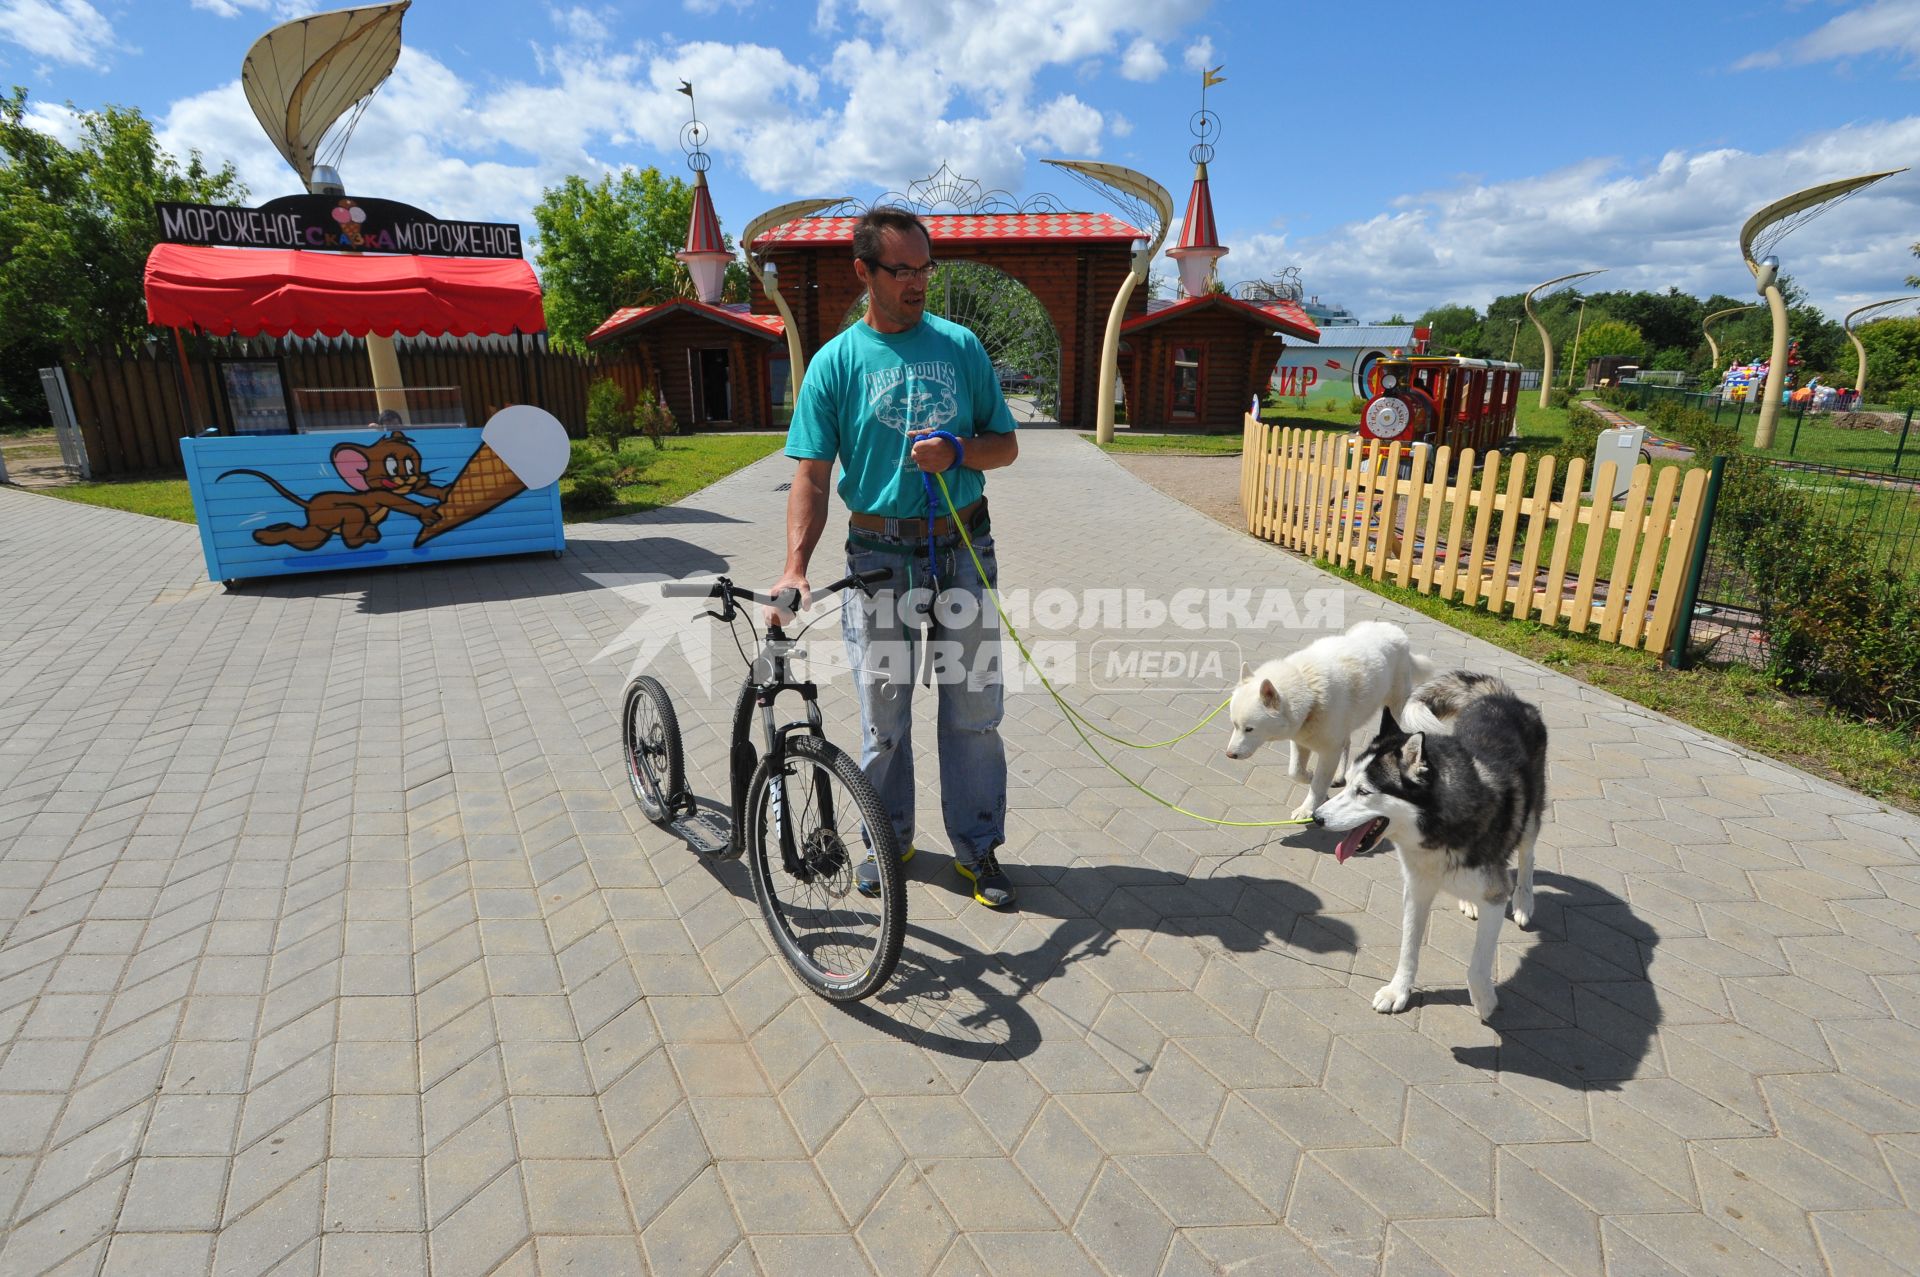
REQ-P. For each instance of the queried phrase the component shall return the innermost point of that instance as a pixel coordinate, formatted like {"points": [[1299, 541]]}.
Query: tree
{"points": [[612, 244], [1893, 358], [1456, 330], [1609, 338], [74, 240]]}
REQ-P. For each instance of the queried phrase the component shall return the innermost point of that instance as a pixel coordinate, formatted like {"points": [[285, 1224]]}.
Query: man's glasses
{"points": [[905, 273]]}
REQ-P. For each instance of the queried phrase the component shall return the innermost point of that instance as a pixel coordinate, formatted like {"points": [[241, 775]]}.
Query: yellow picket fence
{"points": [[1491, 535]]}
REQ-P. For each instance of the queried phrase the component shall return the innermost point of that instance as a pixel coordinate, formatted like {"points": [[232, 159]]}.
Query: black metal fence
{"points": [[1858, 436], [1874, 513]]}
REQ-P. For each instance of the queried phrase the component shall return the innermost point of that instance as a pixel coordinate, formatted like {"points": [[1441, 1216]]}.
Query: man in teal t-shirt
{"points": [[869, 400]]}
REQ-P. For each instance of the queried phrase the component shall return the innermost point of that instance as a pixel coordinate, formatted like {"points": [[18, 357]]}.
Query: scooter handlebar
{"points": [[787, 600]]}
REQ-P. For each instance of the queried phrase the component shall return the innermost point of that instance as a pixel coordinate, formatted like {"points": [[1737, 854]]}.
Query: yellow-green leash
{"points": [[1075, 719]]}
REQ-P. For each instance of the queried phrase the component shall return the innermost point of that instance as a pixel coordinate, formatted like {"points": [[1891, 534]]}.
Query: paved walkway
{"points": [[331, 941]]}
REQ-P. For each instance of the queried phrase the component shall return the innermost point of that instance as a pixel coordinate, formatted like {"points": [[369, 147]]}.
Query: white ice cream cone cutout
{"points": [[522, 447]]}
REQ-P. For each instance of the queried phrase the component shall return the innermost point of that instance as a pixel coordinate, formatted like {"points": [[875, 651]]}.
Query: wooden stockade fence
{"points": [[127, 402], [1443, 529]]}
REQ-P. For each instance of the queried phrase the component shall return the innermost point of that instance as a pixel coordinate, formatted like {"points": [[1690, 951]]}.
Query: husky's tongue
{"points": [[1351, 843]]}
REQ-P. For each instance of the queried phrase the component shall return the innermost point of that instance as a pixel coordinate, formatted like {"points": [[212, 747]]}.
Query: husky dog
{"points": [[1461, 790], [1317, 698]]}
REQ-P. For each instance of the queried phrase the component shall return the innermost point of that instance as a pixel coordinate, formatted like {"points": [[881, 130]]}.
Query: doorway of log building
{"points": [[712, 376]]}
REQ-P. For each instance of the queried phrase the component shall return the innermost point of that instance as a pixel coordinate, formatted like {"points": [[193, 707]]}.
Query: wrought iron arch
{"points": [[1010, 321], [945, 191]]}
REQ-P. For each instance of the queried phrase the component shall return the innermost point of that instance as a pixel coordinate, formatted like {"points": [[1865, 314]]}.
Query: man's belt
{"points": [[974, 516]]}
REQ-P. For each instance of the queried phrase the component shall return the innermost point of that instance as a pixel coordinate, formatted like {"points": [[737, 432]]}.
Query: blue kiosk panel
{"points": [[276, 505]]}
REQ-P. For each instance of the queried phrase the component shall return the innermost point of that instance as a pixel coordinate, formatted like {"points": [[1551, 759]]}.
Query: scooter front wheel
{"points": [[826, 869]]}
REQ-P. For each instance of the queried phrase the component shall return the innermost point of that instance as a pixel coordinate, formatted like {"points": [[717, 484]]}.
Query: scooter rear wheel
{"points": [[650, 735]]}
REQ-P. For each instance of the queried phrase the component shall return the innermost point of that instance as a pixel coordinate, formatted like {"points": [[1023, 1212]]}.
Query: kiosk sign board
{"points": [[337, 224]]}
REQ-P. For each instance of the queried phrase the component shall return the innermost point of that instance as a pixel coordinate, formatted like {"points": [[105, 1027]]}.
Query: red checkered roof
{"points": [[968, 228], [703, 228], [628, 318], [1283, 315]]}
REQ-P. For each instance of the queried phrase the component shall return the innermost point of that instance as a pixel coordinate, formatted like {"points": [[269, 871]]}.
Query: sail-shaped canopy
{"points": [[302, 76]]}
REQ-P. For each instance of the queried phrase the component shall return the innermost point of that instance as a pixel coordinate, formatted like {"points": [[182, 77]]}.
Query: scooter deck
{"points": [[705, 833]]}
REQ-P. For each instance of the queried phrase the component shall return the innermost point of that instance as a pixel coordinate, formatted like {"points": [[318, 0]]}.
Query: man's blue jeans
{"points": [[884, 640]]}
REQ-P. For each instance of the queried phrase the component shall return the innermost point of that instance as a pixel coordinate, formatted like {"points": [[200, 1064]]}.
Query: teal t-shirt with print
{"points": [[867, 391]]}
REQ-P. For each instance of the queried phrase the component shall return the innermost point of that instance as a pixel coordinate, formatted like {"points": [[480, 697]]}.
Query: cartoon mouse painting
{"points": [[382, 476]]}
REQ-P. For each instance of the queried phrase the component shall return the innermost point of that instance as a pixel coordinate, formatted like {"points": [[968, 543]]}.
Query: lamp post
{"points": [[796, 358], [1574, 359], [769, 274], [1860, 378], [1546, 338], [1706, 328], [1760, 233], [1514, 349], [1110, 345]]}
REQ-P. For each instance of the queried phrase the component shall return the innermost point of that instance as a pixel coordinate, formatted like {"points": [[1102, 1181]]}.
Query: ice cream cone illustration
{"points": [[522, 447]]}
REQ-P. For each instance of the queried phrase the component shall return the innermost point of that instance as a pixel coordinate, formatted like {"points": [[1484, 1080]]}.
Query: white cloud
{"points": [[905, 85], [1143, 61], [72, 32], [1199, 54], [1673, 224], [581, 24], [56, 120], [283, 9], [1882, 27]]}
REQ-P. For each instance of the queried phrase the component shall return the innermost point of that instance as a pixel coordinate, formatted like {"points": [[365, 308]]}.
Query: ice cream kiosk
{"points": [[348, 477], [396, 486]]}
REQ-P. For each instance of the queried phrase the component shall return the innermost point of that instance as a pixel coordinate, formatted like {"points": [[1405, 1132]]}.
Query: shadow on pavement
{"points": [[1579, 1010], [950, 997]]}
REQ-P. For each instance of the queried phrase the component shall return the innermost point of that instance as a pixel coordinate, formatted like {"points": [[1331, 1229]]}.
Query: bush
{"points": [[609, 415], [1356, 405], [1559, 397], [1836, 624], [654, 420], [590, 492]]}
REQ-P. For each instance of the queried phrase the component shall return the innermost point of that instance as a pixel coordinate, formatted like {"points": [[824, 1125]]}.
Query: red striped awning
{"points": [[248, 291]]}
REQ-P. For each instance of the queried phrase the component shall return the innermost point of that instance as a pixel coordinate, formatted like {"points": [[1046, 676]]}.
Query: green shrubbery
{"points": [[597, 471], [609, 415], [652, 418], [1837, 623]]}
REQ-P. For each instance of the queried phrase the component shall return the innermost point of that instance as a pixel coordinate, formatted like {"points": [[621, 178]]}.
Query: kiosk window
{"points": [[256, 397]]}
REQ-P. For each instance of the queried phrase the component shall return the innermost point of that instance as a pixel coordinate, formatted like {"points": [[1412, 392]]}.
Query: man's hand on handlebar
{"points": [[795, 581]]}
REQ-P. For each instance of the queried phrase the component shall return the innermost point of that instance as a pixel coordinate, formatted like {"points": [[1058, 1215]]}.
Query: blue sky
{"points": [[1399, 154]]}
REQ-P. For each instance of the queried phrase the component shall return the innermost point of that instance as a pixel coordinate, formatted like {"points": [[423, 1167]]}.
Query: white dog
{"points": [[1316, 699]]}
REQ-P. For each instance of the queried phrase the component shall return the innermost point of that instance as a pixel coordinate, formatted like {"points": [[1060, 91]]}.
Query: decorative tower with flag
{"points": [[706, 254], [1200, 247]]}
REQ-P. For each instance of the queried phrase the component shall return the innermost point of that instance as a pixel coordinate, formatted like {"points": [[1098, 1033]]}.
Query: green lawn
{"points": [[1182, 445], [161, 496], [1820, 442], [676, 471], [680, 469], [1732, 701]]}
